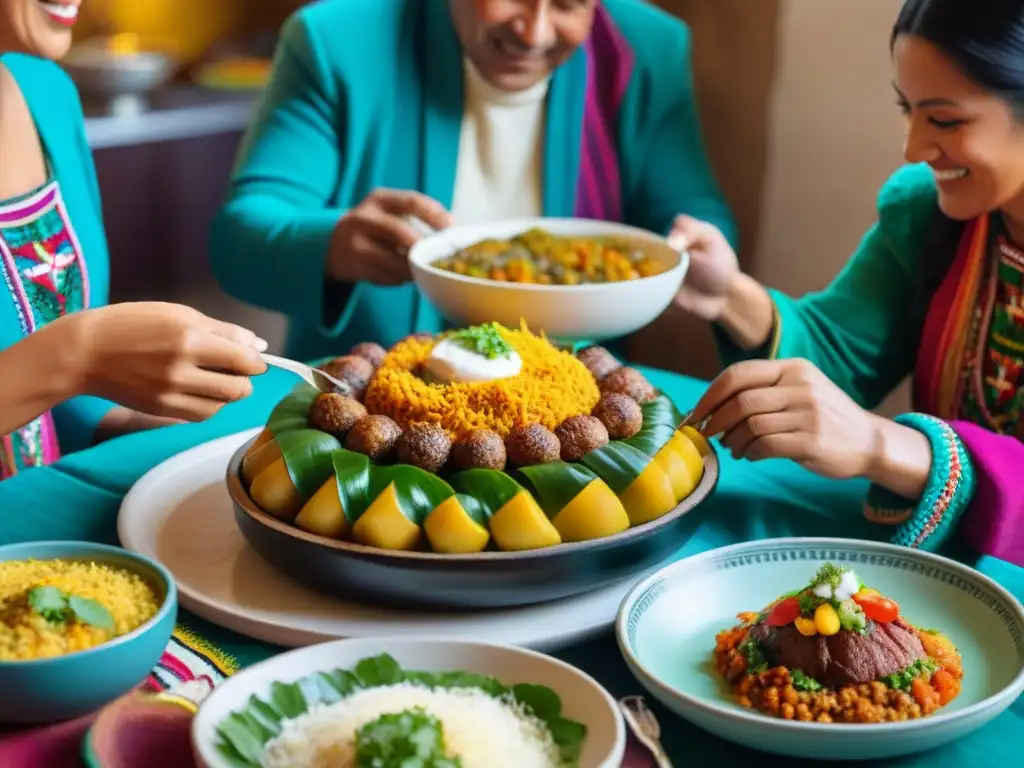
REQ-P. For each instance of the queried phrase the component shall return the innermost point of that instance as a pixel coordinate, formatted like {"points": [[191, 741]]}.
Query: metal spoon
{"points": [[645, 727], [322, 381]]}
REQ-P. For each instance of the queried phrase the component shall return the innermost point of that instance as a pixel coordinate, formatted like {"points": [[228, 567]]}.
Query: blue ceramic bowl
{"points": [[667, 624], [64, 687]]}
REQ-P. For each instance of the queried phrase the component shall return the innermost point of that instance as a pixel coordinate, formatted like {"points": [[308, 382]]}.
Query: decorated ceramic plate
{"points": [[827, 649]]}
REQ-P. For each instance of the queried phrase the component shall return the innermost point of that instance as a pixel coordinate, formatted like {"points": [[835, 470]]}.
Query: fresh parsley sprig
{"points": [[59, 607]]}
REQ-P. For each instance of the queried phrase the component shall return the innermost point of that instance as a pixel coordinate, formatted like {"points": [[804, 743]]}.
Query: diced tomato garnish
{"points": [[946, 685], [783, 612], [878, 608]]}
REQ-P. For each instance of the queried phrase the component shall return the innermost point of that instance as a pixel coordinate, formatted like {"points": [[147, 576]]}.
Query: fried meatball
{"points": [[579, 435], [335, 414], [628, 381], [480, 449], [532, 444], [598, 360], [425, 446], [375, 436], [620, 414], [352, 370], [369, 351]]}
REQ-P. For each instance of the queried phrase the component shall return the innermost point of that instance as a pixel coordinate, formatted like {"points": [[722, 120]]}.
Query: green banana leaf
{"points": [[556, 483], [473, 508], [661, 418], [419, 491], [309, 456], [244, 733], [352, 474], [617, 463], [661, 410], [491, 488], [293, 411]]}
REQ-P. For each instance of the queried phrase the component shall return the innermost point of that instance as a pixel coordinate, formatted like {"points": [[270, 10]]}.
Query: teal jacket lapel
{"points": [[563, 130], [442, 101]]}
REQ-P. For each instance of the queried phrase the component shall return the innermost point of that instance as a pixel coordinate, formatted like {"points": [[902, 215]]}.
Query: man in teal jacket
{"points": [[457, 111]]}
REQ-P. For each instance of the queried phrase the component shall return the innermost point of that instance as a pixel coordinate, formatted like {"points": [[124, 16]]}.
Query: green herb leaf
{"points": [[492, 489], [288, 699], [569, 736], [352, 474], [756, 662], [419, 492], [802, 682], [91, 612], [378, 671], [542, 701], [409, 739], [828, 573], [293, 411], [50, 603]]}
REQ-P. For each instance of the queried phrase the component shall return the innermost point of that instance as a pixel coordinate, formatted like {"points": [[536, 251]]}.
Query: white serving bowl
{"points": [[566, 312], [583, 698], [667, 624]]}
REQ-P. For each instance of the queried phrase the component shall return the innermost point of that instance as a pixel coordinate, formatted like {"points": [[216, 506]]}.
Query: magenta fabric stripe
{"points": [[19, 210], [609, 68]]}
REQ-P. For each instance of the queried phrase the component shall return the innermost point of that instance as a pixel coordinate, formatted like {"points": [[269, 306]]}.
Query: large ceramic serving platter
{"points": [[180, 513], [667, 624], [583, 698]]}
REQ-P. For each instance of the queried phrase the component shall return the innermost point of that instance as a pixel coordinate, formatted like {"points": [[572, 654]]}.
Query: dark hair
{"points": [[985, 39]]}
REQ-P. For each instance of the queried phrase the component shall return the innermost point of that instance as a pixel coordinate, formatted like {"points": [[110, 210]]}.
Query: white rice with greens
{"points": [[380, 716], [483, 731]]}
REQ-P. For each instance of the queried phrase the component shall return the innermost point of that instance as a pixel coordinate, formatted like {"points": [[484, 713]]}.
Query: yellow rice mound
{"points": [[25, 635], [552, 386]]}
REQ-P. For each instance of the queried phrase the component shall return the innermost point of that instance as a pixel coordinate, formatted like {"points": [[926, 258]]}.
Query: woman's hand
{"points": [[371, 242], [788, 409], [161, 359], [713, 267]]}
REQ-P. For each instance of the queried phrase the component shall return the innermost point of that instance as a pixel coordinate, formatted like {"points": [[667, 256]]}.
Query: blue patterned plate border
{"points": [[646, 593]]}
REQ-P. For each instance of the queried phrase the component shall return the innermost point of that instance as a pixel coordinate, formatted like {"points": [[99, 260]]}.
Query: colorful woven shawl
{"points": [[947, 359]]}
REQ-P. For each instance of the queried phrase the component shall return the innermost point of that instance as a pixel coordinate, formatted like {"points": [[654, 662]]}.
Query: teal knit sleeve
{"points": [[856, 330], [927, 522], [269, 243]]}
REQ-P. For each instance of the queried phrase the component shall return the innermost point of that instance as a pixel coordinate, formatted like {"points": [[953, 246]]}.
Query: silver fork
{"points": [[322, 381], [644, 725]]}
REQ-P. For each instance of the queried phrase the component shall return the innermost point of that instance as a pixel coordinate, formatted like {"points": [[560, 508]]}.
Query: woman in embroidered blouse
{"points": [[935, 290], [67, 359], [471, 111]]}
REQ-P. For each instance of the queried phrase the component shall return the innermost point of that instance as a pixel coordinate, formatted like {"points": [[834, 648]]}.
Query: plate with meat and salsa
{"points": [[828, 649]]}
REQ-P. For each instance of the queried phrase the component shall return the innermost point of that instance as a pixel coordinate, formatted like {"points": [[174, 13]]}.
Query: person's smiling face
{"points": [[36, 27], [515, 44], [972, 138]]}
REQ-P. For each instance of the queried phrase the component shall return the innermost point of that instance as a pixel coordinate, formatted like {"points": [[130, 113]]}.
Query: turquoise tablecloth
{"points": [[79, 499]]}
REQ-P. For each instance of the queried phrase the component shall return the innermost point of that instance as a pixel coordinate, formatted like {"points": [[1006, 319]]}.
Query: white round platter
{"points": [[180, 514]]}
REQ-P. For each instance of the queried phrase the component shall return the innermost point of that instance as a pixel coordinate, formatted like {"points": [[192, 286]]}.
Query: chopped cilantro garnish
{"points": [[59, 607], [804, 682], [828, 573], [808, 603], [49, 602], [901, 680], [485, 340], [756, 662]]}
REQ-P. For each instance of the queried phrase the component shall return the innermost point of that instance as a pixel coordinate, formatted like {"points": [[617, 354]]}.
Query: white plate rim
{"points": [[372, 643], [999, 700], [576, 625]]}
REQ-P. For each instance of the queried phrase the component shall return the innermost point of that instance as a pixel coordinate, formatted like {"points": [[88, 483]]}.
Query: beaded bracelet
{"points": [[927, 522]]}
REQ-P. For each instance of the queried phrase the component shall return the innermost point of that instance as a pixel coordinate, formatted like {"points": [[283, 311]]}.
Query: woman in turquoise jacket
{"points": [[935, 291], [452, 111]]}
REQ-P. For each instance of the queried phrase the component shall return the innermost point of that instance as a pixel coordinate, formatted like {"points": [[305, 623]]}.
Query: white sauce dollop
{"points": [[451, 362], [848, 586]]}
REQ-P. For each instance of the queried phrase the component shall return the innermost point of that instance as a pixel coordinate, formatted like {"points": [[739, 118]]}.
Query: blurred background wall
{"points": [[795, 98]]}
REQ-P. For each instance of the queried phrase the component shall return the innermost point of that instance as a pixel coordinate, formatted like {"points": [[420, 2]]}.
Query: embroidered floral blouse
{"points": [[53, 256]]}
